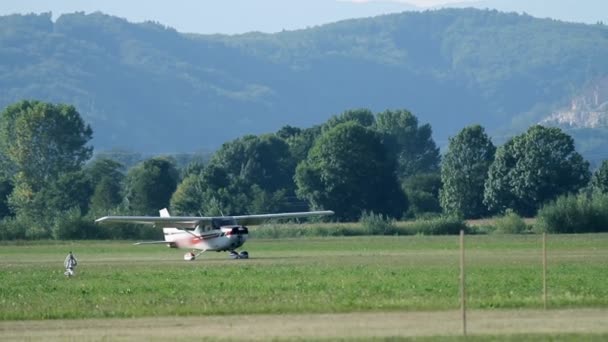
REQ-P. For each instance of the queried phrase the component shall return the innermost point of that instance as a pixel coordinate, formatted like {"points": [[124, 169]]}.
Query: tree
{"points": [[189, 197], [195, 167], [412, 146], [6, 188], [464, 171], [43, 142], [599, 181], [104, 167], [150, 185], [264, 160], [105, 179], [349, 172], [422, 192], [70, 190], [250, 166], [301, 143], [247, 175], [106, 196], [126, 158], [287, 132], [533, 168], [362, 116]]}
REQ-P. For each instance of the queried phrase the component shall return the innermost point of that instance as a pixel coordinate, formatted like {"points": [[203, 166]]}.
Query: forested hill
{"points": [[151, 89]]}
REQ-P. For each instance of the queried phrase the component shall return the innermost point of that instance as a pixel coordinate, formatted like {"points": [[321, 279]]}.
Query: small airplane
{"points": [[206, 233]]}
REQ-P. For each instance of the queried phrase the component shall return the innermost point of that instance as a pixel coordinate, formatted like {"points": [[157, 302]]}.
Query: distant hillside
{"points": [[225, 16], [149, 88], [584, 11]]}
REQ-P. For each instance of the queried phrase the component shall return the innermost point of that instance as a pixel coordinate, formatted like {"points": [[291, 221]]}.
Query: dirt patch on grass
{"points": [[307, 326]]}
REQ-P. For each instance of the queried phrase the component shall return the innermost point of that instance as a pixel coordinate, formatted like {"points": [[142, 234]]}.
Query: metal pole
{"points": [[463, 301], [544, 270]]}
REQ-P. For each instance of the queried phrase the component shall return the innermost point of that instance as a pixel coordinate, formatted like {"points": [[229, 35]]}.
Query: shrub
{"points": [[71, 225], [510, 223], [376, 224], [12, 228], [582, 213], [445, 225], [273, 231]]}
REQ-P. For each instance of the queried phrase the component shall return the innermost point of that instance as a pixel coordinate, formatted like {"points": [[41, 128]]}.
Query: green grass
{"points": [[305, 275]]}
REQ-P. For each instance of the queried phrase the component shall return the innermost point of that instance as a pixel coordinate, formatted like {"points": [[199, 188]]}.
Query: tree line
{"points": [[356, 163]]}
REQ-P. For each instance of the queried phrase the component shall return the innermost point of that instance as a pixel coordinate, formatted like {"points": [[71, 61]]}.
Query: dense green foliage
{"points": [[346, 166], [534, 168], [575, 214], [369, 167], [106, 180], [453, 67], [351, 165], [349, 171], [252, 174], [411, 145], [369, 224], [510, 223], [45, 146], [599, 180], [377, 224], [464, 171], [150, 185], [422, 192]]}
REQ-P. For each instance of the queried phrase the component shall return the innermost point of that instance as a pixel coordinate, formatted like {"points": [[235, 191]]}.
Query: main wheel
{"points": [[189, 256], [244, 255], [234, 255]]}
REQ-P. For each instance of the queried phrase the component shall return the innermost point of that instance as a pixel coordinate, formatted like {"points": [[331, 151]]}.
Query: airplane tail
{"points": [[164, 213], [171, 234]]}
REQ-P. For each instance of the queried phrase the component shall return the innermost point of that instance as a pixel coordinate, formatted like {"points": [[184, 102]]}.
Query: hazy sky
{"points": [[238, 16], [419, 3], [223, 16]]}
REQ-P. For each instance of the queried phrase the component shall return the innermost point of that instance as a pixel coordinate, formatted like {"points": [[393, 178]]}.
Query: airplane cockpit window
{"points": [[219, 222]]}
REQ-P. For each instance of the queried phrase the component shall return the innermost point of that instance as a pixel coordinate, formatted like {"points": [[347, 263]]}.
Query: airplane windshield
{"points": [[219, 222]]}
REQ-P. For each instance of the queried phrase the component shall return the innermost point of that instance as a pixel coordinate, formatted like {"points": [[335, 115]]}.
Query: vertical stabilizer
{"points": [[171, 234]]}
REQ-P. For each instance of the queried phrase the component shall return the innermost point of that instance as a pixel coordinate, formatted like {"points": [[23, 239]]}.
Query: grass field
{"points": [[305, 276]]}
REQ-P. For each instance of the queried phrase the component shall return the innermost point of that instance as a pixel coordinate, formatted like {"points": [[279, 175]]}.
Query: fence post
{"points": [[544, 270], [463, 292]]}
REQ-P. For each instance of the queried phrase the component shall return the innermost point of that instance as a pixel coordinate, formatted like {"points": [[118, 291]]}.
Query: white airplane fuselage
{"points": [[226, 238]]}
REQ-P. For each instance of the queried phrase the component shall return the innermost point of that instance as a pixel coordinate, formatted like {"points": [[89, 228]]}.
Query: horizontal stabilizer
{"points": [[151, 243]]}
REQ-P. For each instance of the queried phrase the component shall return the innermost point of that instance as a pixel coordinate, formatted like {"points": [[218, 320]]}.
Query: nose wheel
{"points": [[237, 255]]}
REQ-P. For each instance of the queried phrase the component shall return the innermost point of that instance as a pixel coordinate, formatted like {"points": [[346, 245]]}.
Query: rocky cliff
{"points": [[587, 110]]}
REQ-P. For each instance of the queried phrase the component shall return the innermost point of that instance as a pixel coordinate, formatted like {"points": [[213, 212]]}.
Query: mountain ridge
{"points": [[150, 88]]}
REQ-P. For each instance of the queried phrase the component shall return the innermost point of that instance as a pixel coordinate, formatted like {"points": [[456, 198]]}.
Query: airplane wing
{"points": [[174, 221], [259, 219], [193, 221]]}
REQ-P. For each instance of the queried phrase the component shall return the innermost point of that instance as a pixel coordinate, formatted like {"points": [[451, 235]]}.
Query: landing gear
{"points": [[190, 256], [237, 255]]}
